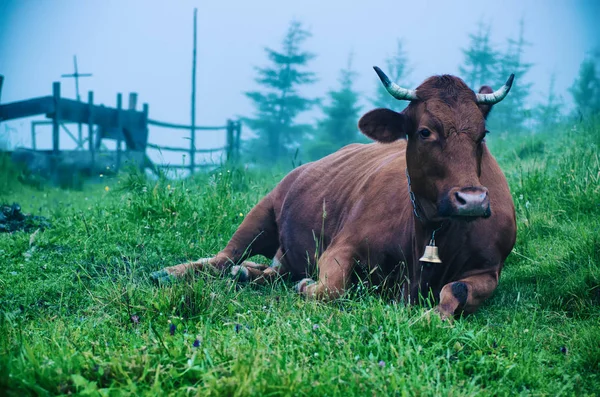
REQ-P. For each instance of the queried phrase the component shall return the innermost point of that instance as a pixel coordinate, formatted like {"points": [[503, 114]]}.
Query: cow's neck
{"points": [[423, 210], [450, 241]]}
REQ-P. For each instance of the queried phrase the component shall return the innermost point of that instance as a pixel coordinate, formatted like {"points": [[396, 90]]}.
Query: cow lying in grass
{"points": [[428, 180]]}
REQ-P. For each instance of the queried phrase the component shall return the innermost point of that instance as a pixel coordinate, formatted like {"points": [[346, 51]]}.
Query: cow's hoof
{"points": [[443, 315], [303, 284], [240, 274], [162, 277]]}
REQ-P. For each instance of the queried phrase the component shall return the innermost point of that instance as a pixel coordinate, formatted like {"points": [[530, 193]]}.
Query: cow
{"points": [[428, 183]]}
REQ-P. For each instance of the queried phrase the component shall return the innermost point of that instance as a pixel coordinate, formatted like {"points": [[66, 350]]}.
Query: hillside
{"points": [[79, 314]]}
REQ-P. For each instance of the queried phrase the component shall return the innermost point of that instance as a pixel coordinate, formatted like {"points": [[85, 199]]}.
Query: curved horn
{"points": [[394, 89], [496, 96]]}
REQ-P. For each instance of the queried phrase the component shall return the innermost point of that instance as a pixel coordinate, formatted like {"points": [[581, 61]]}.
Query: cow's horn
{"points": [[394, 89], [498, 95]]}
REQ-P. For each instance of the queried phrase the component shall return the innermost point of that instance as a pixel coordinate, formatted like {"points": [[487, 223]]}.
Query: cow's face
{"points": [[445, 129]]}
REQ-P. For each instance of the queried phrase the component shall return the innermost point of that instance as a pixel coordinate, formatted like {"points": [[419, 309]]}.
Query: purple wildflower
{"points": [[196, 343], [382, 363], [135, 319], [237, 328], [172, 328], [315, 327]]}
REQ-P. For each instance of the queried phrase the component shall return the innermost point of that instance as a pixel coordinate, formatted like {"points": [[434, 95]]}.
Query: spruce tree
{"points": [[586, 88], [339, 126], [480, 59], [548, 114], [398, 70], [512, 114], [279, 101]]}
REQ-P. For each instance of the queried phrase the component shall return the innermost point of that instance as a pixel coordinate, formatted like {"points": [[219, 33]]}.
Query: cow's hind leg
{"points": [[260, 274], [257, 235], [335, 269]]}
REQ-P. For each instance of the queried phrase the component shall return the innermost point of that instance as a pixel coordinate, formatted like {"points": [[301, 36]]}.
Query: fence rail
{"points": [[180, 149], [233, 131], [184, 127], [184, 167]]}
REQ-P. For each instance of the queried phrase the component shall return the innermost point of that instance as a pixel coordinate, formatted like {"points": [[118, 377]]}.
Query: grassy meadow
{"points": [[79, 315]]}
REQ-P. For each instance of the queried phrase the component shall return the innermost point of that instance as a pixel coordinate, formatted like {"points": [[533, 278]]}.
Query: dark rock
{"points": [[12, 219]]}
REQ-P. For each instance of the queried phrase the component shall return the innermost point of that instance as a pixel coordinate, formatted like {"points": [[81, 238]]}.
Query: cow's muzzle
{"points": [[471, 201]]}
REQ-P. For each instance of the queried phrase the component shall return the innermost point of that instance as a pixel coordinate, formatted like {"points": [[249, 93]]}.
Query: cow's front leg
{"points": [[466, 295]]}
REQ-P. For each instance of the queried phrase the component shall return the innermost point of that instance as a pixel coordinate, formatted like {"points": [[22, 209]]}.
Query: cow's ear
{"points": [[383, 125], [485, 109]]}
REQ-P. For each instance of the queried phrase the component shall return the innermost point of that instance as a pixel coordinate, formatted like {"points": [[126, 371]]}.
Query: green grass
{"points": [[79, 315]]}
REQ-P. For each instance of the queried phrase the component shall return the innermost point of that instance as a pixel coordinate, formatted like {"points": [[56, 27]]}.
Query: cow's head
{"points": [[445, 127]]}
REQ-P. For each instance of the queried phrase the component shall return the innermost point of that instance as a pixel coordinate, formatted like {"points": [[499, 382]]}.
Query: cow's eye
{"points": [[424, 133], [482, 139]]}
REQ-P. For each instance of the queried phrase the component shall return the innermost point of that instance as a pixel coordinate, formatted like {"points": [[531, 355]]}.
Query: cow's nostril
{"points": [[459, 198]]}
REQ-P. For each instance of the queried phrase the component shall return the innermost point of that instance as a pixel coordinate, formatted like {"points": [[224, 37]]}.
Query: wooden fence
{"points": [[233, 130], [122, 125]]}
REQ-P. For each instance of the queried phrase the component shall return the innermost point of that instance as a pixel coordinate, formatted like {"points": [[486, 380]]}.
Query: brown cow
{"points": [[372, 209]]}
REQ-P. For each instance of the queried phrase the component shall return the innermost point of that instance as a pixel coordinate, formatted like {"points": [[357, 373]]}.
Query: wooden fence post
{"points": [[90, 123], [192, 148], [238, 138], [146, 161], [229, 142], [119, 129], [145, 121], [132, 101], [131, 108], [33, 145], [56, 118], [193, 126]]}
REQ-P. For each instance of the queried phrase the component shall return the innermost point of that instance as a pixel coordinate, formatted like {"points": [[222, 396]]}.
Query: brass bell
{"points": [[431, 254]]}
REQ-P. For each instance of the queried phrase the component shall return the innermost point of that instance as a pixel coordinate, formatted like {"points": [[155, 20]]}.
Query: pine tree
{"points": [[586, 88], [279, 102], [339, 126], [398, 70], [548, 114], [512, 114], [480, 59]]}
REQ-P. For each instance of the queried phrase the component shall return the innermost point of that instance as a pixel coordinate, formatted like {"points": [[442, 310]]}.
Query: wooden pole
{"points": [[145, 122], [132, 101], [229, 143], [238, 138], [145, 112], [119, 128], [79, 137], [193, 129], [132, 104], [79, 131], [76, 75], [56, 118], [90, 123], [33, 145]]}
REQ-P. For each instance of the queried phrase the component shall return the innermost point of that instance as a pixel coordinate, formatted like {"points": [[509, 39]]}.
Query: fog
{"points": [[146, 47]]}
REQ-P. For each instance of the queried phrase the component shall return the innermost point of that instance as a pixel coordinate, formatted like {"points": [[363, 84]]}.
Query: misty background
{"points": [[146, 47]]}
